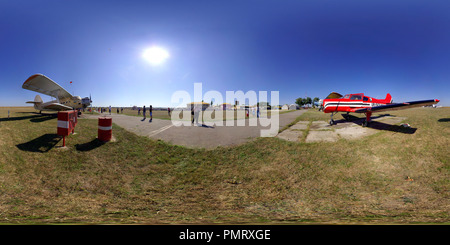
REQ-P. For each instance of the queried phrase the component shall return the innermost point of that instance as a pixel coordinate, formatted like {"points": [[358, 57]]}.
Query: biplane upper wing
{"points": [[397, 106], [42, 84]]}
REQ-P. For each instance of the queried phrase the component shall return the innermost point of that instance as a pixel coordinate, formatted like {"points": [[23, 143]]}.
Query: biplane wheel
{"points": [[331, 122]]}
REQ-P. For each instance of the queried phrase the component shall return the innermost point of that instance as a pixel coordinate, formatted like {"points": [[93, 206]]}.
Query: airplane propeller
{"points": [[87, 101]]}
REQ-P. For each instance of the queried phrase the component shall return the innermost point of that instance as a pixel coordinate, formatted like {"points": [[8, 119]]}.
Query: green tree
{"points": [[299, 102], [308, 100], [315, 100]]}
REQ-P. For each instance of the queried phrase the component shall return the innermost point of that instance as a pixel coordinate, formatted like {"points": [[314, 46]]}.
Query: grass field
{"points": [[388, 177]]}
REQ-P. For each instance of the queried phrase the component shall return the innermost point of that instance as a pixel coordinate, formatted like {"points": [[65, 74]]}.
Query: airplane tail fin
{"points": [[37, 100], [388, 98]]}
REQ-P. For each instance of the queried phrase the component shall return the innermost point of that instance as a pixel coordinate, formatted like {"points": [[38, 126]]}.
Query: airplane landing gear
{"points": [[331, 118], [367, 121]]}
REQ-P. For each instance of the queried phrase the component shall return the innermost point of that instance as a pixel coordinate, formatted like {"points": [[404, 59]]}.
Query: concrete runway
{"points": [[321, 131], [193, 136]]}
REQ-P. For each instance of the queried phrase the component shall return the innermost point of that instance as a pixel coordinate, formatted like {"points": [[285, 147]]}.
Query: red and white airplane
{"points": [[359, 103]]}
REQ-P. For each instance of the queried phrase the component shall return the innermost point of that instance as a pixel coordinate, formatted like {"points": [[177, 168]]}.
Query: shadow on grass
{"points": [[392, 128], [89, 145], [444, 120], [33, 118], [378, 125], [41, 144]]}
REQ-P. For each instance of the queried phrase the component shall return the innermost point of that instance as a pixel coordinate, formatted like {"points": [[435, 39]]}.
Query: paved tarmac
{"points": [[197, 136]]}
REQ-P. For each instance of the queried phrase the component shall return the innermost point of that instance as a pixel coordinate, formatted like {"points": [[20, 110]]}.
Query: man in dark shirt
{"points": [[151, 113]]}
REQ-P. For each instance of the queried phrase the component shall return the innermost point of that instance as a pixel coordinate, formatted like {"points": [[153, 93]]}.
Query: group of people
{"points": [[150, 110], [195, 112], [101, 110]]}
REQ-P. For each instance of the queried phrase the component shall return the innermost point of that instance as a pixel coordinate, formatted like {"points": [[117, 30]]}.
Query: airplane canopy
{"points": [[334, 95]]}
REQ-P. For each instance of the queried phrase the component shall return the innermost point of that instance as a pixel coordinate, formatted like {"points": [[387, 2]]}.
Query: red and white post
{"points": [[67, 120], [104, 128]]}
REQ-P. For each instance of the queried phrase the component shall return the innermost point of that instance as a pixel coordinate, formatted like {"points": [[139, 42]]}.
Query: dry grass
{"points": [[139, 180]]}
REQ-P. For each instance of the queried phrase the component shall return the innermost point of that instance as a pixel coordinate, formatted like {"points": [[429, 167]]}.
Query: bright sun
{"points": [[155, 55]]}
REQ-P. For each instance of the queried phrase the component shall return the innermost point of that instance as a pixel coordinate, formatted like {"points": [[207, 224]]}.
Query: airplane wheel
{"points": [[331, 122], [365, 123]]}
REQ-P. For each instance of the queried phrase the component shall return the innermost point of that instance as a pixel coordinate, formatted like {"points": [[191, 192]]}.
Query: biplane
{"points": [[63, 100], [360, 103]]}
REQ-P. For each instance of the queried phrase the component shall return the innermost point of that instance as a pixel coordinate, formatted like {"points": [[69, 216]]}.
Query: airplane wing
{"points": [[57, 107], [42, 84], [397, 106]]}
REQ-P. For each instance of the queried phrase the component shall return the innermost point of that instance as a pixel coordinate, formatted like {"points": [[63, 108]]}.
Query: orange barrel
{"points": [[104, 128]]}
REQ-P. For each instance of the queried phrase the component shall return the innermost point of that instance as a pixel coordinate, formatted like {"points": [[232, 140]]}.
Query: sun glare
{"points": [[155, 55]]}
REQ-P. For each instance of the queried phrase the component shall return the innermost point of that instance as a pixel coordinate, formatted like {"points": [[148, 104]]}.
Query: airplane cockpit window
{"points": [[346, 96], [356, 97], [365, 98]]}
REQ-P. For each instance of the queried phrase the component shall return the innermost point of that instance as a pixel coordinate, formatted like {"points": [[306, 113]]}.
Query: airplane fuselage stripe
{"points": [[348, 104]]}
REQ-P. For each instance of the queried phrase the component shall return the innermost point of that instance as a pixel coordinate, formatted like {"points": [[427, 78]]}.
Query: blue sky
{"points": [[299, 48]]}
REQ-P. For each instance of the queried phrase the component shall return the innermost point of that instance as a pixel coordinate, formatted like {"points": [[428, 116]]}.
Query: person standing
{"points": [[151, 113], [196, 114], [143, 113], [168, 111], [109, 110]]}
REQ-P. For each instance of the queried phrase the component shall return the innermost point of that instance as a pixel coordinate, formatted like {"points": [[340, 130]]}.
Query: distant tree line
{"points": [[306, 101]]}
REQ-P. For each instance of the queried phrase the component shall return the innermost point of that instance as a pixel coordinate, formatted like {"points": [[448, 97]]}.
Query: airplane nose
{"points": [[86, 102]]}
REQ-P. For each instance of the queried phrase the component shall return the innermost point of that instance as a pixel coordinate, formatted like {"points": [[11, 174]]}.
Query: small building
{"points": [[226, 106], [285, 107], [191, 105], [294, 107]]}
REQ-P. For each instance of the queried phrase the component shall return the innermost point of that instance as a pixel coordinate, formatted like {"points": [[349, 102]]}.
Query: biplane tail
{"points": [[37, 100]]}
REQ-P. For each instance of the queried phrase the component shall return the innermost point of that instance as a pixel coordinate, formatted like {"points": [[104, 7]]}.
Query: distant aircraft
{"points": [[64, 100], [359, 103]]}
